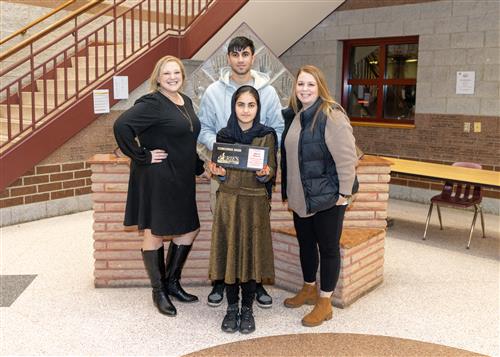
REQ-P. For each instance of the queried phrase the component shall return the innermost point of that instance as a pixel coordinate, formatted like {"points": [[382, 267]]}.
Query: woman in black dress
{"points": [[159, 134]]}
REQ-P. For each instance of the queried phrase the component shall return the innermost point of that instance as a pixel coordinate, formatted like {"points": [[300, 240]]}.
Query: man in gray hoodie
{"points": [[215, 109]]}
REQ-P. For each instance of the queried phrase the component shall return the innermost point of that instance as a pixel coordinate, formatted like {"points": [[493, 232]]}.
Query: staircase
{"points": [[50, 102], [55, 90]]}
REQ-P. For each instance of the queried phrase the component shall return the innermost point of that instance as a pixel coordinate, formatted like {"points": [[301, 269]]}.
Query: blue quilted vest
{"points": [[317, 167]]}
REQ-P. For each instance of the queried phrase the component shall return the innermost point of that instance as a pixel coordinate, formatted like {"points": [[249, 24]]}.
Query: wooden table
{"points": [[445, 172]]}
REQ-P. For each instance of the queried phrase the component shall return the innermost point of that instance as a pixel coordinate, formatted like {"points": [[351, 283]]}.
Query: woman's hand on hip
{"points": [[158, 156]]}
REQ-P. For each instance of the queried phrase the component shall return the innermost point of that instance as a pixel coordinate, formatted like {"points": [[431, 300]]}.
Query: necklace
{"points": [[184, 111], [186, 115]]}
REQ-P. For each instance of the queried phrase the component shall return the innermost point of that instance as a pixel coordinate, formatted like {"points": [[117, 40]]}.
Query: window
{"points": [[380, 79]]}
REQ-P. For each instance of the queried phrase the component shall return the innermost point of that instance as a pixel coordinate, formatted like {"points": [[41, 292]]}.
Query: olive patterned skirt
{"points": [[241, 237]]}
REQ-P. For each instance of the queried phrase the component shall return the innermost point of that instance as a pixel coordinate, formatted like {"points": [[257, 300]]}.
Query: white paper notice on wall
{"points": [[120, 87], [101, 101], [465, 82]]}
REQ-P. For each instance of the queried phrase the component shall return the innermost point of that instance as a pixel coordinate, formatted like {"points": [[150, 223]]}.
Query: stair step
{"points": [[14, 126], [110, 55], [27, 112], [50, 85], [109, 50], [70, 73], [4, 139], [82, 62], [109, 46], [39, 101], [85, 64]]}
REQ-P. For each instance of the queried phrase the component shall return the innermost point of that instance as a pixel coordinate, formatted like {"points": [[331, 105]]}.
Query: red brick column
{"points": [[362, 252], [117, 251], [362, 242]]}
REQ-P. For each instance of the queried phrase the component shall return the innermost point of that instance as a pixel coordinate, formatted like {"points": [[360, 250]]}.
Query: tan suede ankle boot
{"points": [[307, 295], [322, 312]]}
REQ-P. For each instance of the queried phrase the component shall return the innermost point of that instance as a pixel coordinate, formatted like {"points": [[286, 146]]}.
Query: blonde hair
{"points": [[329, 104], [154, 85]]}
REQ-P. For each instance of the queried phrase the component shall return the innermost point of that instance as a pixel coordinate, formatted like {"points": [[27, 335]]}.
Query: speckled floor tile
{"points": [[434, 291]]}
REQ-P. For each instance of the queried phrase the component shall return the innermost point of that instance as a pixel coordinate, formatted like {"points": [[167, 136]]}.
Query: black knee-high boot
{"points": [[176, 257], [155, 266]]}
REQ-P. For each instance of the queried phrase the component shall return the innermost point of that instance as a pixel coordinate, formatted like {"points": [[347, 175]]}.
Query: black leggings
{"points": [[247, 292], [321, 230]]}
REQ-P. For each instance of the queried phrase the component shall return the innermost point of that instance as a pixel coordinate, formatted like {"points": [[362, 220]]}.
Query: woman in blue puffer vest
{"points": [[318, 161]]}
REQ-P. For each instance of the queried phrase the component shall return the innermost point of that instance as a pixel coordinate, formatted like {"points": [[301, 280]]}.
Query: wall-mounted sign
{"points": [[101, 101], [120, 87], [465, 82]]}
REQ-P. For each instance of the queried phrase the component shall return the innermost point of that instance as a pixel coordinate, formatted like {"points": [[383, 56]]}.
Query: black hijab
{"points": [[232, 133]]}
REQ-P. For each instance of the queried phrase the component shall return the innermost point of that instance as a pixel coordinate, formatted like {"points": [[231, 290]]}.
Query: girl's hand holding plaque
{"points": [[264, 171]]}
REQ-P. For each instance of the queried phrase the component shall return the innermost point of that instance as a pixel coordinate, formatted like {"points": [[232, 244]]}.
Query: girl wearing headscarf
{"points": [[241, 252]]}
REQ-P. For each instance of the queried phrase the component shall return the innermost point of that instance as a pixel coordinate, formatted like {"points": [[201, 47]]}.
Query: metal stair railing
{"points": [[91, 48]]}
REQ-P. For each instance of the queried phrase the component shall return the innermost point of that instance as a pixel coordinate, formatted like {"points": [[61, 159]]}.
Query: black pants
{"points": [[322, 230], [247, 292]]}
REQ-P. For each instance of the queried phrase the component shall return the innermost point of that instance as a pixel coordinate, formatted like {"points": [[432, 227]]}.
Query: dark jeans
{"points": [[247, 292], [321, 231]]}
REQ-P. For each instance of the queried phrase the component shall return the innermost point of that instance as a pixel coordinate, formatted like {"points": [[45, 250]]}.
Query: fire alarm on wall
{"points": [[477, 126]]}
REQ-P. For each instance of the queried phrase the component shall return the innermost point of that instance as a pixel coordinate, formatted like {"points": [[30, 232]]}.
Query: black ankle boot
{"points": [[231, 321], [155, 267], [217, 294], [247, 322], [176, 257]]}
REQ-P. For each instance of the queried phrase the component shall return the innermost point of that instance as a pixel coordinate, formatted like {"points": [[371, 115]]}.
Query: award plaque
{"points": [[239, 156]]}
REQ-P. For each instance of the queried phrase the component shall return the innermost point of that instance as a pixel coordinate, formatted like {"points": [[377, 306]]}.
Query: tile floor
{"points": [[434, 291]]}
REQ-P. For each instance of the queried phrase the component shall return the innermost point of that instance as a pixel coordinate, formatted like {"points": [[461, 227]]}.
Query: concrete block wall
{"points": [[454, 35], [117, 249]]}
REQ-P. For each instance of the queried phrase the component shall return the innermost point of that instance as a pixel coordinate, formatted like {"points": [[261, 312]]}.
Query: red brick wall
{"points": [[48, 182], [362, 251], [437, 138], [64, 173]]}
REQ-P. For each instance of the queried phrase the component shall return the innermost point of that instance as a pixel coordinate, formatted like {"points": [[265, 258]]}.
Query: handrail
{"points": [[71, 69], [51, 28], [49, 98], [23, 30]]}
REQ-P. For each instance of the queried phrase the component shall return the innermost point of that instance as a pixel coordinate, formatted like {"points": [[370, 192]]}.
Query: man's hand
{"points": [[206, 175], [216, 170], [158, 156]]}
